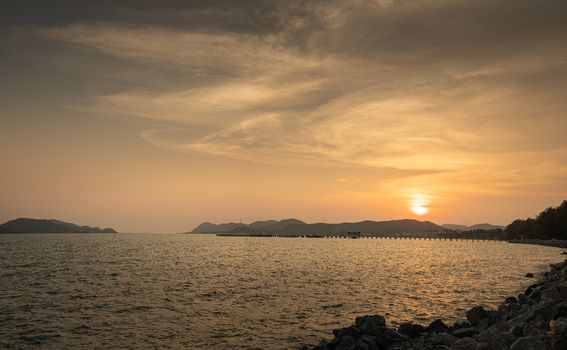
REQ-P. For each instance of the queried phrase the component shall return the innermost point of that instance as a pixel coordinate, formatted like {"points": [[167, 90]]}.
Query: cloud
{"points": [[449, 87]]}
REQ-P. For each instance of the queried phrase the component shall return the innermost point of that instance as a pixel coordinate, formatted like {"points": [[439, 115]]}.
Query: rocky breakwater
{"points": [[535, 319]]}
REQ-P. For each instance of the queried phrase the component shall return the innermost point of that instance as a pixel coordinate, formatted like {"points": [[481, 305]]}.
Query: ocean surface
{"points": [[104, 291]]}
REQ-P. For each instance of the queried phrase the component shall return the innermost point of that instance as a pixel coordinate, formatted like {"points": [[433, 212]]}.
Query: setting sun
{"points": [[419, 209], [419, 206]]}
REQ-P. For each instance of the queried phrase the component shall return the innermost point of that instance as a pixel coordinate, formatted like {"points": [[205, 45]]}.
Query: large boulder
{"points": [[437, 326], [476, 314], [465, 332], [491, 318], [350, 331], [371, 324], [546, 311], [405, 328]]}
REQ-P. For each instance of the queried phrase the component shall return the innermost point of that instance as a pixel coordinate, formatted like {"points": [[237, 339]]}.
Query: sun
{"points": [[419, 209], [419, 206]]}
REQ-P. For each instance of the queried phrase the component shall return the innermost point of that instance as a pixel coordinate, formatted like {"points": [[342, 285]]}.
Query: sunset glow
{"points": [[419, 210], [419, 206], [161, 117]]}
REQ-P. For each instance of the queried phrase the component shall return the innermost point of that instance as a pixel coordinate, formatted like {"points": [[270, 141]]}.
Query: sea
{"points": [[188, 291]]}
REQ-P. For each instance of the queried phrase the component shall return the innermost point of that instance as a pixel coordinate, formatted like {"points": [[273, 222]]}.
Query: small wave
{"points": [[333, 306]]}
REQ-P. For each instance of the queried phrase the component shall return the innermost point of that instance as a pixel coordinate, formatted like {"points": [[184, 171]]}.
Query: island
{"points": [[289, 227], [27, 225]]}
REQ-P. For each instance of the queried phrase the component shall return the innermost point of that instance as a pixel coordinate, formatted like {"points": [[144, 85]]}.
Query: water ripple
{"points": [[101, 291]]}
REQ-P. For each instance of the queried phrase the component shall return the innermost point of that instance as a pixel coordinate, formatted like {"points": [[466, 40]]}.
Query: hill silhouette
{"points": [[27, 225], [294, 226]]}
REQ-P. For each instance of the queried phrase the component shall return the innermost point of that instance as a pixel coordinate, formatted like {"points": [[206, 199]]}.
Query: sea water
{"points": [[102, 291]]}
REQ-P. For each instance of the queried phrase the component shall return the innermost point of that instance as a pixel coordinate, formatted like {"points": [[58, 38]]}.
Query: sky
{"points": [[154, 116]]}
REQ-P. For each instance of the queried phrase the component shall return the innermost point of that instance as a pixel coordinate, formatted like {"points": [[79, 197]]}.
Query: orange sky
{"points": [[158, 117]]}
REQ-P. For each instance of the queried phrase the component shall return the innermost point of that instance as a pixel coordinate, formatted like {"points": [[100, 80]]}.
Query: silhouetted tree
{"points": [[550, 223]]}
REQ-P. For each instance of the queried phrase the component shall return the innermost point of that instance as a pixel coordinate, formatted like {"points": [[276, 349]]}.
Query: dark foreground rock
{"points": [[534, 320]]}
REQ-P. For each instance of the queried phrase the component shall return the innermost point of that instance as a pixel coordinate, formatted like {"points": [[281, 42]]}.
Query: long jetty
{"points": [[401, 236]]}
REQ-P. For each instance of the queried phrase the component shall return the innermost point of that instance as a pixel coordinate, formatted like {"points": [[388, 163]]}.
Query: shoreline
{"points": [[545, 242], [535, 319]]}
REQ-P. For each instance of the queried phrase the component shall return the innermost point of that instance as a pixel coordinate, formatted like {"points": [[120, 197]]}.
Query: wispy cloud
{"points": [[381, 84]]}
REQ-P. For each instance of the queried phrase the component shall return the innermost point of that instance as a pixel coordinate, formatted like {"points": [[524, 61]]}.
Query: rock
{"points": [[375, 319], [559, 344], [546, 311], [517, 330], [508, 310], [374, 324], [558, 327], [437, 326], [465, 332], [538, 327], [464, 344], [492, 317], [441, 347], [404, 327], [345, 343], [511, 300], [528, 343], [350, 331], [409, 329], [497, 337], [442, 339], [476, 314], [529, 275], [384, 340], [366, 342], [502, 341], [561, 309], [416, 329], [523, 299], [536, 295], [459, 325]]}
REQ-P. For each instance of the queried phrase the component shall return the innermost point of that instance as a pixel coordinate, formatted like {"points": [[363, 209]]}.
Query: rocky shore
{"points": [[535, 319]]}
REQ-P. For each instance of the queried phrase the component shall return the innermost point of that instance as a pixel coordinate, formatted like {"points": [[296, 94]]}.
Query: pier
{"points": [[349, 235]]}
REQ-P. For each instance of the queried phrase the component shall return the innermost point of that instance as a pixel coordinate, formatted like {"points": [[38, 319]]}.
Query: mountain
{"points": [[368, 227], [294, 226], [207, 227], [484, 226], [25, 225], [255, 227], [259, 225]]}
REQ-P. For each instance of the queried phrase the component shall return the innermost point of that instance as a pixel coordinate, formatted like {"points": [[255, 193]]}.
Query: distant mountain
{"points": [[484, 226], [256, 226], [259, 225], [294, 226], [25, 225], [207, 227]]}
